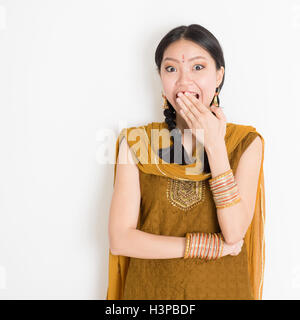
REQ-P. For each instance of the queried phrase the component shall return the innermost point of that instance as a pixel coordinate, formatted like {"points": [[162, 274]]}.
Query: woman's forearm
{"points": [[231, 219], [144, 245], [139, 244], [218, 158]]}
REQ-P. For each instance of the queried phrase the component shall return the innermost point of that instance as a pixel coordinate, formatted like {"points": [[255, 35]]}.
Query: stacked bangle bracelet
{"points": [[224, 189], [207, 246]]}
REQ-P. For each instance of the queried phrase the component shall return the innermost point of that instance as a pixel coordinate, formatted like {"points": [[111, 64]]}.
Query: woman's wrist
{"points": [[217, 146], [218, 158], [206, 246]]}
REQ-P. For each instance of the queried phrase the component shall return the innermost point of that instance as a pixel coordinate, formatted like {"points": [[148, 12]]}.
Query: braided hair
{"points": [[170, 120]]}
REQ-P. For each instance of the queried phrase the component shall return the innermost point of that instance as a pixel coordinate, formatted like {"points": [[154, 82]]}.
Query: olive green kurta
{"points": [[173, 208]]}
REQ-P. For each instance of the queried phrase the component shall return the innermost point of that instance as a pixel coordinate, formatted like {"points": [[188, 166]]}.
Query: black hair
{"points": [[204, 38]]}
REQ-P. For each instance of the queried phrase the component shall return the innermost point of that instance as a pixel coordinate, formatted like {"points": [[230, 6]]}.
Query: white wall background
{"points": [[71, 69]]}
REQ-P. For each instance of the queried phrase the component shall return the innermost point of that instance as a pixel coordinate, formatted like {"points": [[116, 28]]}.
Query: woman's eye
{"points": [[167, 68], [199, 65]]}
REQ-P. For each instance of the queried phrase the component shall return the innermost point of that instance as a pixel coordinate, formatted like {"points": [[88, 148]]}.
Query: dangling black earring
{"points": [[216, 100]]}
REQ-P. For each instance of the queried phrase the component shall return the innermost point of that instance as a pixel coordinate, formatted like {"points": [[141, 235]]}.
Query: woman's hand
{"points": [[198, 116], [232, 249]]}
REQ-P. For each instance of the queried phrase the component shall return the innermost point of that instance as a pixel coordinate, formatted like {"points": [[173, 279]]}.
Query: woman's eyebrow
{"points": [[197, 57]]}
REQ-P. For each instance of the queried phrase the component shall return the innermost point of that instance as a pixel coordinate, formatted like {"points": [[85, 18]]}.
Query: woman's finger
{"points": [[197, 103], [195, 114], [188, 112]]}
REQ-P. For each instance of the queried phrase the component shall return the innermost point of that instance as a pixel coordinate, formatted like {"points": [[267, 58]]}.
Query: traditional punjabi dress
{"points": [[176, 199]]}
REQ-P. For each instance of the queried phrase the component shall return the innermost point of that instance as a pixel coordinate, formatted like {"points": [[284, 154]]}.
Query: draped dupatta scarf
{"points": [[144, 142]]}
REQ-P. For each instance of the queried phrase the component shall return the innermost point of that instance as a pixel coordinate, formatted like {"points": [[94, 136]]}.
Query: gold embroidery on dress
{"points": [[185, 194]]}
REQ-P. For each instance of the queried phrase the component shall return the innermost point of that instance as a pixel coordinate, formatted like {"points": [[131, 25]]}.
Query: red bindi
{"points": [[182, 58]]}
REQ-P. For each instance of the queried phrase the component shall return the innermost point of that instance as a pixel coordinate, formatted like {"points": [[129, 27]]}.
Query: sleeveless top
{"points": [[174, 207]]}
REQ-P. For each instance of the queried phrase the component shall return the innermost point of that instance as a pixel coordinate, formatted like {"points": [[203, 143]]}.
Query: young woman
{"points": [[186, 224]]}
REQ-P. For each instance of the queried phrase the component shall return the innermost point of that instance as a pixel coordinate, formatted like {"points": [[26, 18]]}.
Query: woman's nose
{"points": [[184, 77]]}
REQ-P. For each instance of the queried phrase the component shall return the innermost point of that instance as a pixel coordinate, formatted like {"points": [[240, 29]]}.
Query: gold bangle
{"points": [[202, 239], [205, 245], [222, 245], [187, 245], [229, 204], [216, 244], [225, 190], [220, 176], [219, 245]]}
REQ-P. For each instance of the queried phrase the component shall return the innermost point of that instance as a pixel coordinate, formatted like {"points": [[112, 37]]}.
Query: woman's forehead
{"points": [[185, 51]]}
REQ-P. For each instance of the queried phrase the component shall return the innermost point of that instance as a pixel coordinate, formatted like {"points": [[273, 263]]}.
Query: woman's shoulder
{"points": [[243, 136], [238, 126], [146, 126], [239, 130], [139, 126], [240, 136]]}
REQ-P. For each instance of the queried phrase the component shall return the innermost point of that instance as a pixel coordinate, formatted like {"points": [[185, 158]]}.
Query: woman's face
{"points": [[184, 72]]}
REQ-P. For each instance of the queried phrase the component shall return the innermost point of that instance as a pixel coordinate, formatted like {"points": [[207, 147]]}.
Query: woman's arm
{"points": [[124, 238], [235, 220], [143, 245]]}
